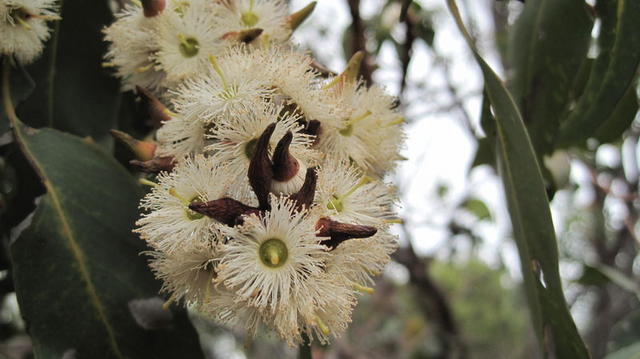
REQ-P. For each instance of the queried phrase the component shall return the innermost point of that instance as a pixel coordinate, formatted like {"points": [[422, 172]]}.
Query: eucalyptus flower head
{"points": [[367, 131], [167, 223], [187, 34], [23, 25], [345, 193], [187, 273], [272, 257], [233, 82], [268, 15]]}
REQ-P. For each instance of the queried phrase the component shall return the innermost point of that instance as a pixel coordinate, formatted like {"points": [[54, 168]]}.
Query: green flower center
{"points": [[335, 203], [189, 46], [250, 148], [273, 253], [194, 216], [249, 18], [347, 130]]}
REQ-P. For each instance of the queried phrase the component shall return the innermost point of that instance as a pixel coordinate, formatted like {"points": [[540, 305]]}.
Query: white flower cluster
{"points": [[23, 25], [268, 206]]}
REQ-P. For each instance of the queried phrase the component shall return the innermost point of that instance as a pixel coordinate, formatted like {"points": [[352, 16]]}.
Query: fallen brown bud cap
{"points": [[224, 210], [260, 168], [339, 232], [304, 197], [285, 166]]}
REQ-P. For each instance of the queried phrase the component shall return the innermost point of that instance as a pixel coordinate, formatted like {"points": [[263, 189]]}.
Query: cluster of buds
{"points": [[267, 204], [23, 25]]}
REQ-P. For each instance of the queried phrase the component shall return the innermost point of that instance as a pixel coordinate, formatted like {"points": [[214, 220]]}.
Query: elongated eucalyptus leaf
{"points": [[77, 270], [612, 73], [530, 217], [548, 42], [621, 118], [74, 93]]}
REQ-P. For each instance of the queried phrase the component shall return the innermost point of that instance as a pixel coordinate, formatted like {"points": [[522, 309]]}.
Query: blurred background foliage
{"points": [[456, 288]]}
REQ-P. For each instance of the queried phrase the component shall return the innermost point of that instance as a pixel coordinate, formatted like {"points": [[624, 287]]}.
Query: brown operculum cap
{"points": [[158, 112], [246, 36], [339, 232], [261, 168], [285, 166], [154, 165], [143, 150], [304, 197], [224, 210], [153, 7]]}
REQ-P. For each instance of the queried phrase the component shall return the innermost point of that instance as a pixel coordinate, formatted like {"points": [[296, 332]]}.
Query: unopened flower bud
{"points": [[154, 165], [153, 7], [350, 73], [143, 150], [158, 112], [294, 20]]}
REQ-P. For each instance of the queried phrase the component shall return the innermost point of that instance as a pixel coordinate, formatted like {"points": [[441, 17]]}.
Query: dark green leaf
{"points": [[531, 219], [74, 93], [477, 208], [77, 267], [621, 118], [612, 72], [548, 42]]}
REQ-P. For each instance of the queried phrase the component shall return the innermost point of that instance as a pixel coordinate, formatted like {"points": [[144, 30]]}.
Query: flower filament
{"points": [[336, 202], [191, 215], [348, 129], [228, 91]]}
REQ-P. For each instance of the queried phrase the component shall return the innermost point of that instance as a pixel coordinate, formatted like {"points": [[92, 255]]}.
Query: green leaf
{"points": [[477, 208], [21, 85], [74, 93], [612, 72], [621, 118], [548, 42], [77, 268], [530, 217]]}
